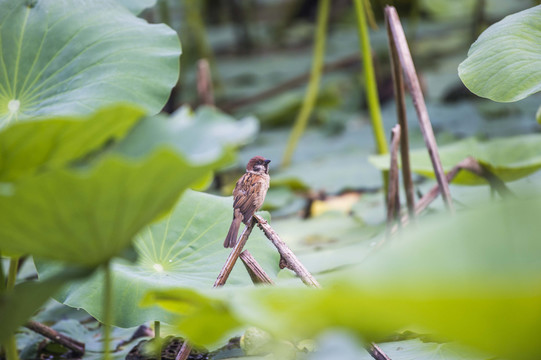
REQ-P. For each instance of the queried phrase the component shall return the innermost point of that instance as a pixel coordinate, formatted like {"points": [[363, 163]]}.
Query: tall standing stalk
{"points": [[313, 85], [371, 87], [156, 329], [10, 346], [108, 311]]}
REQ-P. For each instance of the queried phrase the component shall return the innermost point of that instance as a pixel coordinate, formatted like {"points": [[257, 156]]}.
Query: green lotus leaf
{"points": [[184, 249], [472, 278], [87, 216], [65, 58], [17, 305], [504, 63], [508, 158], [32, 146]]}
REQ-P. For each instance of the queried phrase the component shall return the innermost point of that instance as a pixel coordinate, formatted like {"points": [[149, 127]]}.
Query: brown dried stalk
{"points": [[184, 351], [77, 347], [234, 255], [257, 274], [287, 255], [412, 81], [468, 164], [376, 352], [398, 85], [393, 201]]}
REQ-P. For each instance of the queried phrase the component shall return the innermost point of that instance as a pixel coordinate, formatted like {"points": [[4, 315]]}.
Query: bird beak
{"points": [[267, 162]]}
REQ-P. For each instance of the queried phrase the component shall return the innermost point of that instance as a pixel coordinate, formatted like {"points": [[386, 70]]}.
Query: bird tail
{"points": [[231, 239]]}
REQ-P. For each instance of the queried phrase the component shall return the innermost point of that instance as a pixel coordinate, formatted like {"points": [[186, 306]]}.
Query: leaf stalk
{"points": [[310, 96]]}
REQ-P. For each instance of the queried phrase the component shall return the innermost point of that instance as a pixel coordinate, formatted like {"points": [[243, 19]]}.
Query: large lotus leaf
{"points": [[87, 216], [183, 249], [508, 158], [474, 277], [32, 146], [64, 57], [504, 63], [17, 305]]}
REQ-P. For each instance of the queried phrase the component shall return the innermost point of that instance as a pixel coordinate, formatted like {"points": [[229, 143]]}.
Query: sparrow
{"points": [[248, 196]]}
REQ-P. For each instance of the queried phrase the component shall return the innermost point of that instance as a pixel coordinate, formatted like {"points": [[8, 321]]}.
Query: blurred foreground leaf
{"points": [[38, 145], [504, 63], [88, 213], [88, 216], [183, 249], [508, 158], [474, 278]]}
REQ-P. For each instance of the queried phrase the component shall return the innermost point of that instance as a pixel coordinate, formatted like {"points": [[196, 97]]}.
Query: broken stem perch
{"points": [[234, 255], [257, 274], [291, 260]]}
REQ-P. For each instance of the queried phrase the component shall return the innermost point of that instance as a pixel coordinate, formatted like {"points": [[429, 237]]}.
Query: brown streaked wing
{"points": [[247, 196]]}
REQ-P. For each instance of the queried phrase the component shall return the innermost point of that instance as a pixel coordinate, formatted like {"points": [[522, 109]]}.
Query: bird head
{"points": [[258, 164]]}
